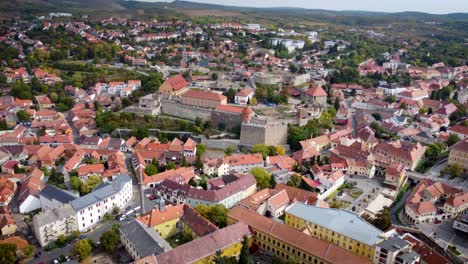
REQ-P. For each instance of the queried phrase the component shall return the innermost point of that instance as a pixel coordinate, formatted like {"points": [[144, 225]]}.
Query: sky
{"points": [[428, 6]]}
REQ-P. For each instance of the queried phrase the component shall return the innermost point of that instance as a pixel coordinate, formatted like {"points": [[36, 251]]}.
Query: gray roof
{"points": [[55, 214], [393, 244], [101, 192], [340, 221], [145, 240], [53, 193]]}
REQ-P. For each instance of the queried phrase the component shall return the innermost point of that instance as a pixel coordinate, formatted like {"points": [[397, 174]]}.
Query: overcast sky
{"points": [[429, 6]]}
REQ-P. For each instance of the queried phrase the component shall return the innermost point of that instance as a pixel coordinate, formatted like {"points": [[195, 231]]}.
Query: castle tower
{"points": [[247, 114]]}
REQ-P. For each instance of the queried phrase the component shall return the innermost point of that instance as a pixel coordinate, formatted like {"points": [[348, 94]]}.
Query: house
{"points": [[395, 175], [431, 200], [281, 162], [201, 98], [7, 191], [459, 155], [238, 163], [227, 190], [28, 195], [316, 94], [244, 96], [404, 152], [459, 130], [44, 102], [7, 224], [329, 182], [176, 85]]}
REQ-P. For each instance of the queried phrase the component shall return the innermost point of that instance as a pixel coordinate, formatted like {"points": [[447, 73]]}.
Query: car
{"points": [[437, 221], [56, 261], [128, 208], [148, 195], [83, 236], [152, 197]]}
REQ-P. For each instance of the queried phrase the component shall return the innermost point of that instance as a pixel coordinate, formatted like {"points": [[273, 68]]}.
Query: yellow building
{"points": [[288, 243], [339, 227], [178, 218], [459, 155]]}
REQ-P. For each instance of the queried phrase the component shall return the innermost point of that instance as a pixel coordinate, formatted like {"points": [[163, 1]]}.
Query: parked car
{"points": [[152, 197], [83, 236]]}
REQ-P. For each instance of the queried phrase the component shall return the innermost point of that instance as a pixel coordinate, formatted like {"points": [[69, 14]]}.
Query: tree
{"points": [[452, 139], [262, 176], [151, 169], [214, 76], [337, 104], [23, 115], [295, 180], [215, 213], [228, 151], [184, 162], [262, 149], [110, 240], [83, 249], [75, 183], [244, 253], [170, 165], [201, 149], [89, 185], [382, 220], [7, 253], [455, 170]]}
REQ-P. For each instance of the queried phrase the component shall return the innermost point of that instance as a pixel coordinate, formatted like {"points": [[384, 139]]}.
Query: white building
{"points": [[49, 225], [244, 96], [91, 208]]}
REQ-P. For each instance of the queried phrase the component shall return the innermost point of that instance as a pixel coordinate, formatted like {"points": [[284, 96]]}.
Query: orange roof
{"points": [[279, 199], [205, 95], [316, 91], [177, 82], [229, 108], [91, 168], [245, 92], [156, 217], [306, 243]]}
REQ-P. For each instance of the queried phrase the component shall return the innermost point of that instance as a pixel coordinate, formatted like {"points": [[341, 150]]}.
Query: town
{"points": [[210, 139]]}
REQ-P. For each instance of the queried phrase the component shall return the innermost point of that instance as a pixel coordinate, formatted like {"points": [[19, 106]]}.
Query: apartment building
{"points": [[91, 208], [50, 224]]}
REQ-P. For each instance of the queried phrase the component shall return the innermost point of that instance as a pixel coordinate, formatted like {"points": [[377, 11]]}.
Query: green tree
{"points": [[23, 115], [170, 165], [201, 149], [228, 151], [244, 253], [75, 183], [151, 169], [295, 180], [214, 76], [7, 253], [382, 220], [452, 139], [216, 214], [184, 162], [110, 240], [83, 249], [262, 149], [455, 170], [90, 184], [262, 176]]}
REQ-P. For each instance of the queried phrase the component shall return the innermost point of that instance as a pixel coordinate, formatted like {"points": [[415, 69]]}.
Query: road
{"points": [[393, 212]]}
